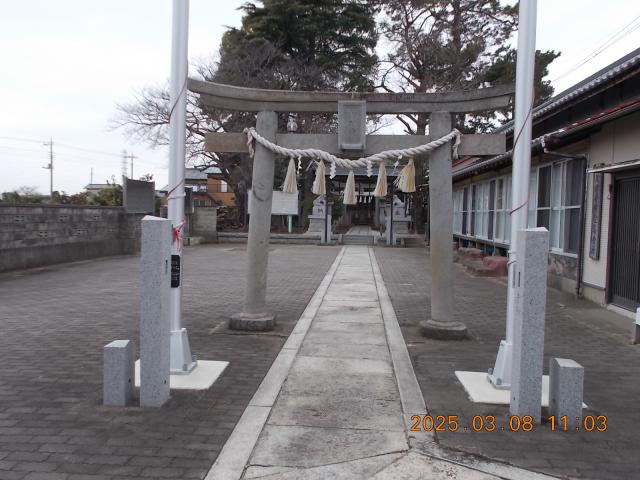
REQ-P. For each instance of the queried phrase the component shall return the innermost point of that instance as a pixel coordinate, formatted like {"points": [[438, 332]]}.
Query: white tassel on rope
{"points": [[381, 185], [350, 190], [319, 187], [406, 181], [290, 184]]}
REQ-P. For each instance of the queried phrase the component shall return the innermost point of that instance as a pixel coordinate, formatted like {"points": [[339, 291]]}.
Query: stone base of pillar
{"points": [[443, 330], [252, 322]]}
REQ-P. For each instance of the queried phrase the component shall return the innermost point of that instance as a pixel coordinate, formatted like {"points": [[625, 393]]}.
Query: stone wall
{"points": [[562, 272], [204, 223], [39, 235]]}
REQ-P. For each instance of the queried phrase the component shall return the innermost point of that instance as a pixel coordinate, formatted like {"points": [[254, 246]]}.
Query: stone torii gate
{"points": [[351, 140]]}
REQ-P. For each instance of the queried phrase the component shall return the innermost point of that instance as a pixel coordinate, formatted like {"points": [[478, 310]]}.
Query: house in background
{"points": [[219, 189], [196, 182], [584, 188], [94, 188]]}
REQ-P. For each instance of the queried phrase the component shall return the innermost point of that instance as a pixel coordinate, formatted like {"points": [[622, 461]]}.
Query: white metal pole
{"points": [[500, 376], [181, 360]]}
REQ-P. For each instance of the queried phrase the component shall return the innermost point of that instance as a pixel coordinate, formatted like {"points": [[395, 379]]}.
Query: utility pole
{"points": [[131, 156], [124, 164], [50, 167]]}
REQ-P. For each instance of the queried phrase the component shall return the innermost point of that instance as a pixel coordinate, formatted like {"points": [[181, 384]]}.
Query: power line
{"points": [[610, 41], [19, 150], [64, 145]]}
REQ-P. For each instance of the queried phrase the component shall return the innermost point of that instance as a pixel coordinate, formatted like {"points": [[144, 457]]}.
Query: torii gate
{"points": [[352, 140]]}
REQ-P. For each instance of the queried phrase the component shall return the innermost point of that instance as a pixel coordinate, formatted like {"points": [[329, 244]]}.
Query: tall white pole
{"points": [[181, 360], [500, 375]]}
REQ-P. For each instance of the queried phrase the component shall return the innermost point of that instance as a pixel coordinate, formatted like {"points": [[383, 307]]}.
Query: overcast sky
{"points": [[65, 64]]}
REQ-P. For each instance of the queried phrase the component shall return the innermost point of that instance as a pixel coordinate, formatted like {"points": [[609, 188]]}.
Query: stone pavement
{"points": [[337, 402], [576, 329], [55, 322]]}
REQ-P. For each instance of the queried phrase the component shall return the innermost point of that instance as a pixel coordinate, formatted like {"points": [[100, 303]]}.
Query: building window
{"points": [[481, 210], [502, 206], [224, 187], [559, 199], [465, 211], [457, 211]]}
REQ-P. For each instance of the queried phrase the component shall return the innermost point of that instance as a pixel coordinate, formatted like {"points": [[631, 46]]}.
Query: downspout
{"points": [[583, 227], [583, 212]]}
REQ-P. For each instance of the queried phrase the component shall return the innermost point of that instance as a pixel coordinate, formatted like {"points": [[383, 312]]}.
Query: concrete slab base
{"points": [[200, 378], [443, 330], [480, 390], [260, 322]]}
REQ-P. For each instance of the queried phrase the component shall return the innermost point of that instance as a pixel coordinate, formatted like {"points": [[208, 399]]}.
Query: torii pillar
{"points": [[254, 315], [441, 325]]}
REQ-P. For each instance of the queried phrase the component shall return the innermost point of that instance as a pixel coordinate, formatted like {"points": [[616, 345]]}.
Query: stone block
{"points": [[532, 248], [566, 379], [155, 271], [118, 372], [352, 123], [497, 264]]}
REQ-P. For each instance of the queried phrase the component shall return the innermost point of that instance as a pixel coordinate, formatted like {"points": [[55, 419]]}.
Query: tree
{"points": [[292, 44], [110, 196], [441, 45], [23, 194]]}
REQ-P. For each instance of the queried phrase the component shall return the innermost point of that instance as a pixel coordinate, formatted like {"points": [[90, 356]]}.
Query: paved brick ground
{"points": [[55, 322], [592, 336]]}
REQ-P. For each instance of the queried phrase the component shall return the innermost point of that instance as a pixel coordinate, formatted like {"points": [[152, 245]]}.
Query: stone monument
{"points": [[531, 298], [155, 327]]}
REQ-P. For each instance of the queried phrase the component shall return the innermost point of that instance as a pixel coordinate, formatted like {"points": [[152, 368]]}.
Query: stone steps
{"points": [[357, 239], [414, 242]]}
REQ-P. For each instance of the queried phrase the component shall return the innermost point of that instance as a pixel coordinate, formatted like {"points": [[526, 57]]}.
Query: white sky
{"points": [[65, 64]]}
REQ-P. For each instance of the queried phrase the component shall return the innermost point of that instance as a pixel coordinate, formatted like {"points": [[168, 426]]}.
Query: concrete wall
{"points": [[39, 235]]}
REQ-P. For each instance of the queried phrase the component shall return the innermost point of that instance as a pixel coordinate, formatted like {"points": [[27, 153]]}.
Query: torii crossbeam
{"points": [[352, 141]]}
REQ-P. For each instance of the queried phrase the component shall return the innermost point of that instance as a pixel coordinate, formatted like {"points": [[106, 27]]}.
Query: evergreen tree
{"points": [[330, 43]]}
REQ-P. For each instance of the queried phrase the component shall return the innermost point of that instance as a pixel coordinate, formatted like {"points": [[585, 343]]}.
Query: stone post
{"points": [[118, 372], [635, 328], [530, 277], [254, 315], [155, 326], [566, 380], [441, 324]]}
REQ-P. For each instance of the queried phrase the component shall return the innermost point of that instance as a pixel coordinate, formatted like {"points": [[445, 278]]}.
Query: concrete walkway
{"points": [[346, 394]]}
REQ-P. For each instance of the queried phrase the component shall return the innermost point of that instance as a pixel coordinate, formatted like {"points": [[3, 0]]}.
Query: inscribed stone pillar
{"points": [[155, 269], [441, 324], [530, 304], [254, 315]]}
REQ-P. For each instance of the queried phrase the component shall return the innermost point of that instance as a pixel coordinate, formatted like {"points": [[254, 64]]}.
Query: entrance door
{"points": [[625, 259]]}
